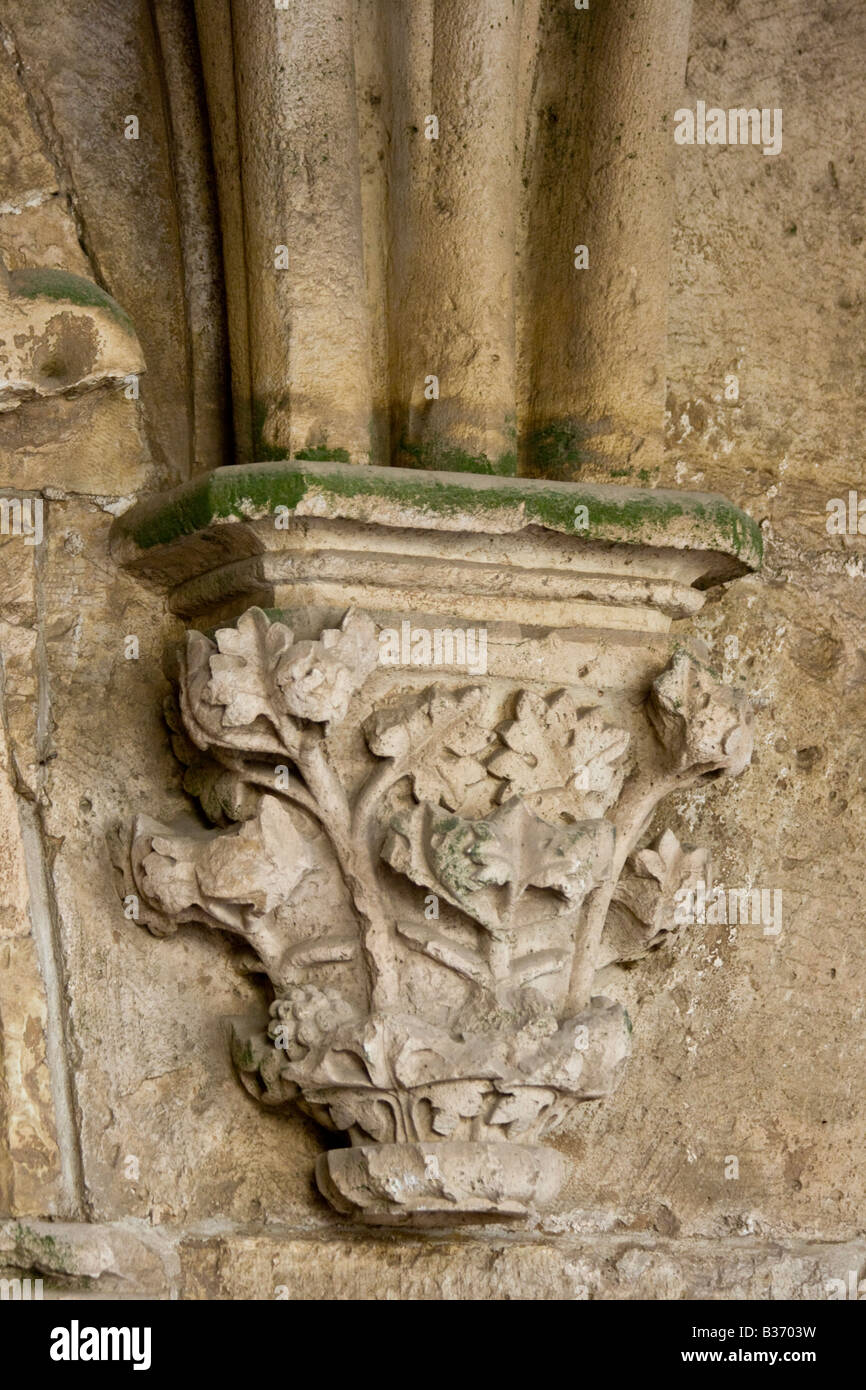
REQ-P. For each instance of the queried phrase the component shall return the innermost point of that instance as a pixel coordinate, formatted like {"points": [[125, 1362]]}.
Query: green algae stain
{"points": [[436, 456], [44, 1252], [262, 448], [323, 453], [43, 283], [557, 451]]}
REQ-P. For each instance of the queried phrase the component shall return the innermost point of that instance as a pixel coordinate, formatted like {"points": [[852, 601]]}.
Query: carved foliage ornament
{"points": [[431, 891]]}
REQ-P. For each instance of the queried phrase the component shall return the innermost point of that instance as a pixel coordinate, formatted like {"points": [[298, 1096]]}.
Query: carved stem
{"points": [[363, 842], [355, 859], [502, 942], [638, 802], [294, 791]]}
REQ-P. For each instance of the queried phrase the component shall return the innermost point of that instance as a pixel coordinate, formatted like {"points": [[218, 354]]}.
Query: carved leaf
{"points": [[408, 729], [446, 952], [537, 964], [207, 721], [318, 679], [437, 736], [669, 863], [642, 911], [246, 689], [244, 668], [558, 759], [227, 879], [705, 727], [570, 859], [597, 751], [322, 950], [466, 861], [324, 1036], [537, 756], [224, 796], [449, 775], [456, 858]]}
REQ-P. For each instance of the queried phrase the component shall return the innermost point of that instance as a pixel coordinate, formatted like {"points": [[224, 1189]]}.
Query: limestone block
{"points": [[165, 1132], [437, 1268], [75, 1259], [123, 189], [129, 1260], [26, 174], [59, 333], [30, 1164], [69, 368]]}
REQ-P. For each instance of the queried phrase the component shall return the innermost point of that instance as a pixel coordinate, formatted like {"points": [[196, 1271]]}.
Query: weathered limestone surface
{"points": [[66, 347], [746, 1045], [148, 236], [132, 1259], [546, 1267], [29, 1160]]}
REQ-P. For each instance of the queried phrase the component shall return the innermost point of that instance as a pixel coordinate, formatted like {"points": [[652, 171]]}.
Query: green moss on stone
{"points": [[615, 513], [44, 283], [262, 448], [265, 450], [557, 450], [44, 1251], [323, 453], [438, 456]]}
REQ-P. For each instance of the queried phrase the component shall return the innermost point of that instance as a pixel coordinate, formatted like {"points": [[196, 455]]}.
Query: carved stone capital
{"points": [[432, 865]]}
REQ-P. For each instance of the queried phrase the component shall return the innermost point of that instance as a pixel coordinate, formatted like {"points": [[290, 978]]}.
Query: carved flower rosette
{"points": [[430, 878]]}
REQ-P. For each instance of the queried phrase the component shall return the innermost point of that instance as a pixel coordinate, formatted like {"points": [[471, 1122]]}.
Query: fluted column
{"points": [[600, 175], [453, 201], [281, 89], [402, 188]]}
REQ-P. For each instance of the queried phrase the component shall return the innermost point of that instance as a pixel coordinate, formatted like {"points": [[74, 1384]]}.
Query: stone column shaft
{"points": [[282, 92], [601, 177]]}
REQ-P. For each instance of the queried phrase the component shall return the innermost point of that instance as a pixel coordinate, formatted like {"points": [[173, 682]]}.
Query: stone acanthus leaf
{"points": [[643, 911], [558, 759]]}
